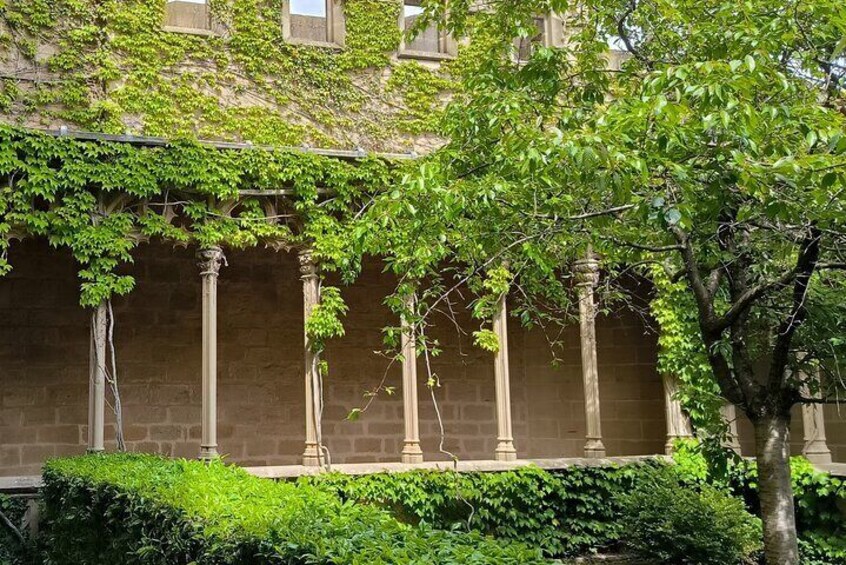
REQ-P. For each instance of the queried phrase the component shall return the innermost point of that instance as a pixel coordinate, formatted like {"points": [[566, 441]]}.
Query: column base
{"points": [[594, 449], [505, 451], [208, 453], [411, 453], [670, 446], [92, 451], [311, 456], [817, 452]]}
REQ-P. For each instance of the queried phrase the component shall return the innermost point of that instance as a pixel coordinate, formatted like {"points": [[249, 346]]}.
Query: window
{"points": [[427, 43], [318, 22], [526, 45], [188, 16]]}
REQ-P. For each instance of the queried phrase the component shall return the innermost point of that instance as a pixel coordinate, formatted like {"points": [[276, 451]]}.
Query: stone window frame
{"points": [[204, 31], [553, 34], [335, 26], [447, 45]]}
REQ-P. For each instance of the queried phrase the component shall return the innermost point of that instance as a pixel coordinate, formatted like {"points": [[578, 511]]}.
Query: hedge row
{"points": [[133, 509], [564, 513]]}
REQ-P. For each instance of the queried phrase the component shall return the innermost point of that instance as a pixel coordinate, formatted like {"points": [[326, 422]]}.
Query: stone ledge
{"points": [[20, 485], [31, 484], [292, 471]]}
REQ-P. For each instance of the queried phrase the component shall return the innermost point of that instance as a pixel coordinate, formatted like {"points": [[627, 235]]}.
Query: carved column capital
{"points": [[209, 260], [308, 265], [587, 271]]}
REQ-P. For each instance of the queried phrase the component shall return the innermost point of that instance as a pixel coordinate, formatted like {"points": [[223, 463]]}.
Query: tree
{"points": [[714, 151]]}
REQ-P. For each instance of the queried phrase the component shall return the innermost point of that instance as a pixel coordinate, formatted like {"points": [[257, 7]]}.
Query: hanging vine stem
{"points": [[111, 377], [431, 382], [103, 346]]}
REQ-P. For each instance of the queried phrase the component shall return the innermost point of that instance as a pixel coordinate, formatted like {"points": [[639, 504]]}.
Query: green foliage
{"points": [[325, 323], [99, 199], [12, 551], [669, 523], [144, 509], [819, 498], [566, 512], [115, 68]]}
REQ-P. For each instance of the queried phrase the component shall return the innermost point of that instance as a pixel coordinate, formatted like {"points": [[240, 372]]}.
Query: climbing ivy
{"points": [[114, 68], [100, 199]]}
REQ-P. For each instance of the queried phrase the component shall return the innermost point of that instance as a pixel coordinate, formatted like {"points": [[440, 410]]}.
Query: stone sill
{"points": [[190, 31], [425, 55], [482, 466], [311, 43], [30, 484]]}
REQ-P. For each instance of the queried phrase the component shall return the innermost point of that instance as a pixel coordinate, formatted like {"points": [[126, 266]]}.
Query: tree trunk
{"points": [[773, 453]]}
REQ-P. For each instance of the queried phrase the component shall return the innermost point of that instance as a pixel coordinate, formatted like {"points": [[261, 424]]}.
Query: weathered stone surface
{"points": [[44, 371]]}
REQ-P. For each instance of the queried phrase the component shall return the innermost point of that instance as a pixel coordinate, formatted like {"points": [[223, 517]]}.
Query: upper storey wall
{"points": [[113, 66]]}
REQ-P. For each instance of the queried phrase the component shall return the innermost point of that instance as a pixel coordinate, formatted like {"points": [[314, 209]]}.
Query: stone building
{"points": [[211, 354]]}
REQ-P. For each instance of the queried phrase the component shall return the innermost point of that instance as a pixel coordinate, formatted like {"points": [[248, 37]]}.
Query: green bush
{"points": [[564, 513], [133, 509], [666, 521], [12, 551], [818, 499]]}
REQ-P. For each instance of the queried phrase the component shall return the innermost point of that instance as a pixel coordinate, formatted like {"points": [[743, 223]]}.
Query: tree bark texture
{"points": [[776, 493]]}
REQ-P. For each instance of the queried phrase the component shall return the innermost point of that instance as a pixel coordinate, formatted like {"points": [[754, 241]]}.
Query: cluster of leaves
{"points": [[145, 509], [100, 199], [819, 498], [671, 523], [13, 549], [115, 68], [564, 512]]}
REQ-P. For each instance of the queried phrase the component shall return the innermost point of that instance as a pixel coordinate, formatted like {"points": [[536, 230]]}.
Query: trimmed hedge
{"points": [[134, 509], [566, 512]]}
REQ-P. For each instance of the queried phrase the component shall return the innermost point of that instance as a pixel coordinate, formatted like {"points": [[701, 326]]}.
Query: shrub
{"points": [[819, 499], [12, 550], [565, 512], [134, 509], [670, 523]]}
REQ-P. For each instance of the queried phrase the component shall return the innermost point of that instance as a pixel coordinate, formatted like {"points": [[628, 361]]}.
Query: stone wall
{"points": [[44, 370]]}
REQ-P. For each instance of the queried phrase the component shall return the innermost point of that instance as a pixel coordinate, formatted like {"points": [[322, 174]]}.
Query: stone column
{"points": [[209, 261], [678, 424], [813, 424], [504, 437], [311, 295], [97, 381], [587, 277], [411, 452], [730, 416]]}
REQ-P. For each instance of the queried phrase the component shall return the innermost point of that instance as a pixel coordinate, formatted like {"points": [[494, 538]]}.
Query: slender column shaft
{"points": [[813, 422], [505, 450], [730, 416], [678, 424], [209, 261], [587, 277], [411, 452], [97, 381], [311, 295]]}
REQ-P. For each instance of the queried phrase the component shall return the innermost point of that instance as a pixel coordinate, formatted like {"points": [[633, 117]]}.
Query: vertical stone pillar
{"points": [[209, 261], [730, 416], [678, 424], [411, 452], [311, 295], [587, 277], [97, 380], [813, 424], [504, 436]]}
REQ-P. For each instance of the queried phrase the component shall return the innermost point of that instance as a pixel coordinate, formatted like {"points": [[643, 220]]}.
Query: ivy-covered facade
{"points": [[182, 253]]}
